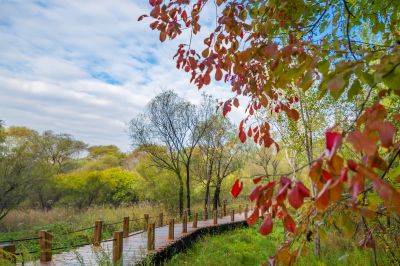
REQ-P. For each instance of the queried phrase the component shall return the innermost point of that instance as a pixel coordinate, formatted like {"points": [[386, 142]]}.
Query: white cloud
{"points": [[85, 67]]}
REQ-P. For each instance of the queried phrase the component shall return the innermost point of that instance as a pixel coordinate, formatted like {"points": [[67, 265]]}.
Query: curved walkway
{"points": [[134, 246]]}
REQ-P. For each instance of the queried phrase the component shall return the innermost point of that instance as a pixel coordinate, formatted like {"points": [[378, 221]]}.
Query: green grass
{"points": [[246, 246]]}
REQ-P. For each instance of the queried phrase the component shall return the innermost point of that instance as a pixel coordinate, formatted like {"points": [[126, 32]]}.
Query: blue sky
{"points": [[85, 67]]}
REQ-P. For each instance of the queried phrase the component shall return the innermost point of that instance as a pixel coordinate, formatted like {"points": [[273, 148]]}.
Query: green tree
{"points": [[83, 189], [104, 157], [18, 168]]}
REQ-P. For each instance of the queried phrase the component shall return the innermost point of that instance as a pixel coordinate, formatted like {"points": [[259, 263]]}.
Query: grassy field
{"points": [[247, 247]]}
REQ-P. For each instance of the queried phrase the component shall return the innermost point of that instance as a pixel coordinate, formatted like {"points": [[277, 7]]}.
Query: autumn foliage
{"points": [[272, 51]]}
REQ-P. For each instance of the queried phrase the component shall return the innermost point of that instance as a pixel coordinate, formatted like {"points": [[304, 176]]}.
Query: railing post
{"points": [[117, 246], [145, 222], [246, 211], [160, 219], [171, 229], [205, 214], [232, 215], [151, 236], [240, 209], [125, 227], [184, 222], [45, 242], [98, 229], [195, 216], [7, 252], [224, 208], [215, 217]]}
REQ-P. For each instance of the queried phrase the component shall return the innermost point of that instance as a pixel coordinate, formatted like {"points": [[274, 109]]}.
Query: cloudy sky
{"points": [[86, 67]]}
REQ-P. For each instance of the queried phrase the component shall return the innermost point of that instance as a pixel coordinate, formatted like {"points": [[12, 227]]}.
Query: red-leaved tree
{"points": [[269, 51]]}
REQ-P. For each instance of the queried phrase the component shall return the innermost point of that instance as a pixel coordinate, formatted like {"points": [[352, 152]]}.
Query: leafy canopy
{"points": [[269, 52]]}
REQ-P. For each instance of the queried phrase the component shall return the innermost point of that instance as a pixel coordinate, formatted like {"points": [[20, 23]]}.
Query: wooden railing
{"points": [[9, 252]]}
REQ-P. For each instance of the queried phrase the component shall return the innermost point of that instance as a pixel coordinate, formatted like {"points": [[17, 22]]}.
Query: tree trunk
{"points": [[216, 201], [180, 196], [188, 189], [207, 193]]}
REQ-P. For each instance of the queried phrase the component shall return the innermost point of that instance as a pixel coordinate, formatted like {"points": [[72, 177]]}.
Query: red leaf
{"points": [[184, 15], [386, 133], [253, 218], [326, 175], [297, 194], [257, 179], [303, 190], [207, 78], [322, 200], [333, 142], [284, 180], [227, 108], [255, 193], [336, 191], [249, 132], [295, 199], [352, 165], [362, 142], [218, 74], [357, 185], [236, 102], [267, 186], [163, 36], [141, 17], [155, 12], [236, 188], [343, 175], [289, 223], [281, 196], [242, 136], [266, 226]]}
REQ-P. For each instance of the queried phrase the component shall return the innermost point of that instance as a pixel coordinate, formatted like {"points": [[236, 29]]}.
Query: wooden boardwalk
{"points": [[134, 246]]}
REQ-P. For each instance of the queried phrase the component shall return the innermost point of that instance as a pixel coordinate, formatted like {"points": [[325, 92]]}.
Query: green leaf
{"points": [[365, 77], [354, 90], [323, 66], [393, 79], [346, 224]]}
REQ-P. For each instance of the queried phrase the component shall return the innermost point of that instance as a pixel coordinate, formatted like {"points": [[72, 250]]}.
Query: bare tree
{"points": [[169, 131], [220, 156]]}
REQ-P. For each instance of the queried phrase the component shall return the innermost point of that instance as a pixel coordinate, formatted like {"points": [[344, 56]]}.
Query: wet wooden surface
{"points": [[134, 247]]}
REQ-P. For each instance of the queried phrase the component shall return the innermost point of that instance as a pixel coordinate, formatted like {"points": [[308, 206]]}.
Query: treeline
{"points": [[182, 154]]}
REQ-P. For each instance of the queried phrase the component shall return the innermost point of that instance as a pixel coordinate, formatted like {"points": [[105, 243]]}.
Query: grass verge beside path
{"points": [[246, 246]]}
